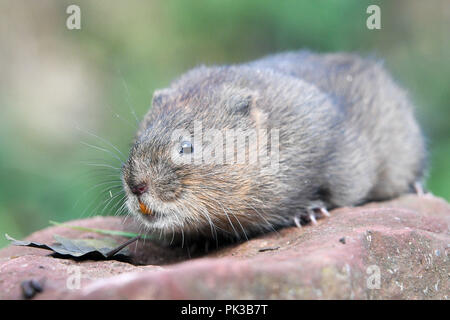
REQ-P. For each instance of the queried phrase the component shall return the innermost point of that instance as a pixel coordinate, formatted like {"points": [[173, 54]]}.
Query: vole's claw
{"points": [[324, 211], [418, 188], [312, 217], [297, 222], [315, 209]]}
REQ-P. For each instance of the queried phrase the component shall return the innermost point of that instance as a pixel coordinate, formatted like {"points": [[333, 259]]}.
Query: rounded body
{"points": [[339, 132]]}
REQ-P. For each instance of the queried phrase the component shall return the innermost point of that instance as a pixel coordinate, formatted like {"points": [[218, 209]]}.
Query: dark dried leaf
{"points": [[95, 249]]}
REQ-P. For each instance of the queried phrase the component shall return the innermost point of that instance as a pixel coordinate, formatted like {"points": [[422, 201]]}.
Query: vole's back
{"points": [[385, 148]]}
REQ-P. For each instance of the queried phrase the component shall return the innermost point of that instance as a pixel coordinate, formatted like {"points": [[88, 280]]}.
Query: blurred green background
{"points": [[60, 87]]}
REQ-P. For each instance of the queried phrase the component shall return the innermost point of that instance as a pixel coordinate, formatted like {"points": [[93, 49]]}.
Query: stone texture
{"points": [[406, 241]]}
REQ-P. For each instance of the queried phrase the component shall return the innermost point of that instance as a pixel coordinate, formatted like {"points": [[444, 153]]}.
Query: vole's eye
{"points": [[186, 147]]}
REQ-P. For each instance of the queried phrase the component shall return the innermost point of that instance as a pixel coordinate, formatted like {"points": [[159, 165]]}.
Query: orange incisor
{"points": [[144, 208]]}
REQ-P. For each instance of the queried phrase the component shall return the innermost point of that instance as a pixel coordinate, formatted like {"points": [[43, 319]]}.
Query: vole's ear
{"points": [[161, 97], [239, 100]]}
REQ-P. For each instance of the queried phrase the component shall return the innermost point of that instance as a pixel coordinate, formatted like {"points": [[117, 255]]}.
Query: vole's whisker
{"points": [[96, 199], [99, 195], [101, 139], [211, 223], [181, 228], [173, 235], [112, 187], [101, 165], [104, 150], [263, 218], [133, 112], [182, 236], [242, 228], [94, 187], [108, 190], [121, 209], [91, 203], [121, 118], [109, 201], [229, 220], [114, 183], [97, 172]]}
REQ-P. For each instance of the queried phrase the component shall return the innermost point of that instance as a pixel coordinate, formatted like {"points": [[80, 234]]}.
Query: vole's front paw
{"points": [[420, 190], [316, 210]]}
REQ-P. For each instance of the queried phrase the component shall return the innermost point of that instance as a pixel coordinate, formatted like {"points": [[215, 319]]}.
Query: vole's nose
{"points": [[139, 189]]}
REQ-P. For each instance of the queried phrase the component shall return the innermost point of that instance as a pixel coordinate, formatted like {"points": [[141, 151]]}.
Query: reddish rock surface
{"points": [[388, 250]]}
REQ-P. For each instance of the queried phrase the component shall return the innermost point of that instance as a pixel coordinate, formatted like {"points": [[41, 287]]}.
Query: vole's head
{"points": [[178, 178]]}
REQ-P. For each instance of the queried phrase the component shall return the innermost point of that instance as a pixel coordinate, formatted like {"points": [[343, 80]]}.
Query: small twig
{"points": [[268, 249], [123, 245]]}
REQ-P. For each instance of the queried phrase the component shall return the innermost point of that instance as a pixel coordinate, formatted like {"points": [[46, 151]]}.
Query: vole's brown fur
{"points": [[347, 135]]}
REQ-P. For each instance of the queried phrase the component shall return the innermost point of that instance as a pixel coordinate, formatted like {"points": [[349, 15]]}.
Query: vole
{"points": [[344, 133]]}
